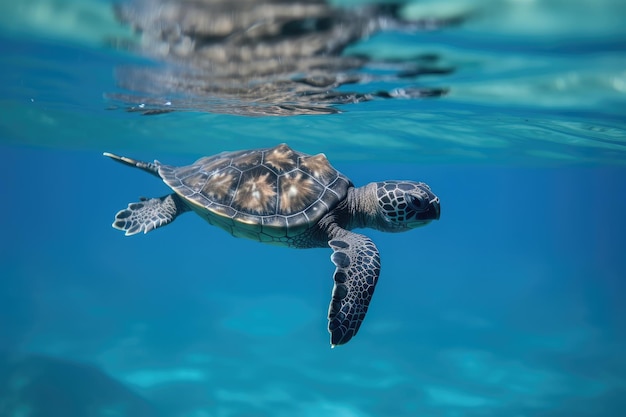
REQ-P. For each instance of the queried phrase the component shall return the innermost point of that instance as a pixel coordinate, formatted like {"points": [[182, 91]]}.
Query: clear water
{"points": [[513, 304]]}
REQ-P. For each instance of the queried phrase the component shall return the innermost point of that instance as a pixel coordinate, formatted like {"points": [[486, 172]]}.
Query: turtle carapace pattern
{"points": [[285, 197]]}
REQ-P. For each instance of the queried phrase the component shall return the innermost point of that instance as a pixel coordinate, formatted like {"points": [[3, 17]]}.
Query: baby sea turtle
{"points": [[285, 197]]}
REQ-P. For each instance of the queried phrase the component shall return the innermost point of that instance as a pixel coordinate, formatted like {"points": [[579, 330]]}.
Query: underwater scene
{"points": [[465, 159]]}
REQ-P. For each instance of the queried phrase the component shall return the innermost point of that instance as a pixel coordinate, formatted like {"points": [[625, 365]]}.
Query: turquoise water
{"points": [[512, 304]]}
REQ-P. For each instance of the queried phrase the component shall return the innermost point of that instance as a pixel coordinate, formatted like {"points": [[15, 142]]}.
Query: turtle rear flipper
{"points": [[148, 214]]}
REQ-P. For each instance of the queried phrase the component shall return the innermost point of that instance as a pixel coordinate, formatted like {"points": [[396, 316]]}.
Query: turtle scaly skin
{"points": [[285, 197]]}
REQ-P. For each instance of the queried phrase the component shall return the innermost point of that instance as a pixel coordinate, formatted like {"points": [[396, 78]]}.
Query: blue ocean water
{"points": [[512, 304]]}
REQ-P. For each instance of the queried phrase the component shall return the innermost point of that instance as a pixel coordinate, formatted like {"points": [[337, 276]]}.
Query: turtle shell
{"points": [[270, 195]]}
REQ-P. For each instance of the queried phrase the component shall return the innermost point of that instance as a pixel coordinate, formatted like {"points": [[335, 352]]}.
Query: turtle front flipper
{"points": [[148, 214], [358, 267]]}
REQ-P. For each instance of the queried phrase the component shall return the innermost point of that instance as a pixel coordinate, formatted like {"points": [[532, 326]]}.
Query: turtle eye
{"points": [[415, 202]]}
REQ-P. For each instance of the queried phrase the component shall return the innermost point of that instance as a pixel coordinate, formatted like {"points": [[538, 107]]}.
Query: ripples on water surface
{"points": [[511, 304]]}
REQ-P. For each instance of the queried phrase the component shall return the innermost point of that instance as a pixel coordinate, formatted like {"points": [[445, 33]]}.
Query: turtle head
{"points": [[405, 205]]}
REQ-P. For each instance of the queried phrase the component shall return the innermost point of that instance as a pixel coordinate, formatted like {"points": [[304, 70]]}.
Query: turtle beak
{"points": [[432, 212]]}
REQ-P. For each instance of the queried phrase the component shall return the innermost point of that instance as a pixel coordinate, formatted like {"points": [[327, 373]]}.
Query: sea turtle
{"points": [[285, 197]]}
